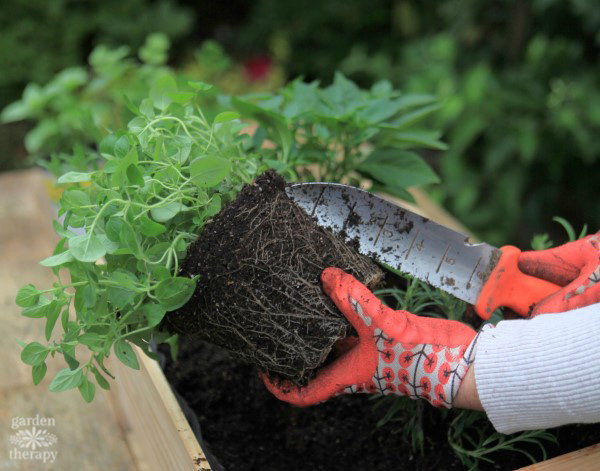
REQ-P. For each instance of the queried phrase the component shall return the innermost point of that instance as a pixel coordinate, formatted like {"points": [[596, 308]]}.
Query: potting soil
{"points": [[247, 429]]}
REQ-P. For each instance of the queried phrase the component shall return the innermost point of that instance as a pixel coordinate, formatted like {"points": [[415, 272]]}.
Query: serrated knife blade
{"points": [[399, 238]]}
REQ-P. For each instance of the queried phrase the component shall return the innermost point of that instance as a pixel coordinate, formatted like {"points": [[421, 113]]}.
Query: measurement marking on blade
{"points": [[380, 230], [443, 258], [412, 243], [312, 213], [473, 272]]}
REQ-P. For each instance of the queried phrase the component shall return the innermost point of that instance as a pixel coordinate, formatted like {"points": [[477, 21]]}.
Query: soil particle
{"points": [[448, 281], [353, 220], [259, 293], [403, 228]]}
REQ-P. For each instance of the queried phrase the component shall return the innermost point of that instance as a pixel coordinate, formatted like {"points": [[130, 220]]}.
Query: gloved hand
{"points": [[575, 266], [396, 352]]}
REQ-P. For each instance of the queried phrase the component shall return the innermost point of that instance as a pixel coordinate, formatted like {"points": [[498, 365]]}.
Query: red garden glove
{"points": [[396, 352], [575, 266]]}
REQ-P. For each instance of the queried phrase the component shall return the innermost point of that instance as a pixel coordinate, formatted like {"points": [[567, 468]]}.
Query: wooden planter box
{"points": [[161, 438]]}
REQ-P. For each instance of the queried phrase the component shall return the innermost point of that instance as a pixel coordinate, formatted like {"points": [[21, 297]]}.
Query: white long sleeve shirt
{"points": [[541, 373]]}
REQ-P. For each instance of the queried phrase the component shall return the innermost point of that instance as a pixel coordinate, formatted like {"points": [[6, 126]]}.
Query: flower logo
{"points": [[34, 438]]}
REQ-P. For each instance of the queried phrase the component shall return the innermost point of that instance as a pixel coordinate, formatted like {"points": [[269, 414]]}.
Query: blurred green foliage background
{"points": [[518, 81]]}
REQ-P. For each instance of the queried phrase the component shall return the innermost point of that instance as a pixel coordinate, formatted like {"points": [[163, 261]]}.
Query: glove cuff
{"points": [[463, 365]]}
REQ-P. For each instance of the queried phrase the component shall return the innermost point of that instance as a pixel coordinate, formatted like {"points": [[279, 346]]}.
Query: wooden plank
{"points": [[26, 237], [160, 435], [586, 459], [88, 438], [88, 435]]}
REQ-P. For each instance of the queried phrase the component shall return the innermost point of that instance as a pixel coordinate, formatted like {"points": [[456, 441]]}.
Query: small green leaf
{"points": [[154, 313], [167, 212], [75, 177], [109, 245], [213, 207], [398, 168], [120, 296], [86, 248], [275, 124], [34, 354], [27, 296], [120, 171], [121, 147], [181, 97], [100, 360], [87, 390], [174, 292], [410, 139], [129, 238], [150, 228], [51, 318], [134, 175], [66, 379], [58, 259], [107, 144], [38, 372], [16, 111], [101, 380], [160, 90], [92, 340], [226, 116], [39, 310], [209, 171], [201, 86], [113, 228], [126, 354]]}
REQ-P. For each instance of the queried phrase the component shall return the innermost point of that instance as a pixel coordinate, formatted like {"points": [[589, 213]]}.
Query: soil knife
{"points": [[479, 274]]}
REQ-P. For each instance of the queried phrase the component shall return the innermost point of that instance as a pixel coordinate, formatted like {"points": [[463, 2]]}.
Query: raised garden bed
{"points": [[244, 428]]}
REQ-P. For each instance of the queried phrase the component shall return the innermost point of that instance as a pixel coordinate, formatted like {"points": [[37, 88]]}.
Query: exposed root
{"points": [[259, 293]]}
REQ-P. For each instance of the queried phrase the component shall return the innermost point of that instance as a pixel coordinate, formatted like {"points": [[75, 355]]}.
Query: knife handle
{"points": [[508, 286]]}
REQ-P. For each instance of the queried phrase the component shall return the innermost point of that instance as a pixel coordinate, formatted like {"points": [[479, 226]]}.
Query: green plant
{"points": [[344, 133], [542, 241], [78, 107], [162, 177], [518, 85], [136, 196], [472, 443], [407, 414]]}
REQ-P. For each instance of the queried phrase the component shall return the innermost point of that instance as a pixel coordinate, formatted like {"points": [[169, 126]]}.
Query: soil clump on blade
{"points": [[259, 292]]}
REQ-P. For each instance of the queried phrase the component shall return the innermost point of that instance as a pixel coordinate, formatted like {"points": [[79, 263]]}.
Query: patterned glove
{"points": [[396, 352], [575, 266]]}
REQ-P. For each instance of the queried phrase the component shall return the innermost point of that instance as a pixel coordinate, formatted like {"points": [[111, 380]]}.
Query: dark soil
{"points": [[259, 294], [247, 429]]}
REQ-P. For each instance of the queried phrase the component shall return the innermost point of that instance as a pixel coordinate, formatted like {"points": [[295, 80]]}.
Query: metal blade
{"points": [[399, 238]]}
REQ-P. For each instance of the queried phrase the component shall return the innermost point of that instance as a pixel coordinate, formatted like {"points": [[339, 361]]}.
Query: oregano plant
{"points": [[124, 229]]}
